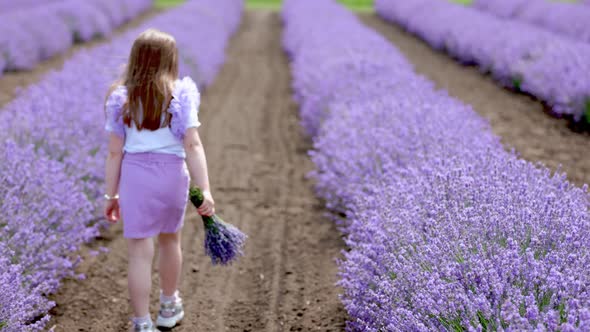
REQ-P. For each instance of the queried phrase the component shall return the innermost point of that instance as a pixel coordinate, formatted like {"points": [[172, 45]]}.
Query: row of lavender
{"points": [[533, 60], [53, 149], [566, 18], [9, 5], [31, 34], [447, 231]]}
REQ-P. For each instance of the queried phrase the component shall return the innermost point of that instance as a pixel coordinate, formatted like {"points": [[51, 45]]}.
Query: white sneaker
{"points": [[170, 314], [144, 327]]}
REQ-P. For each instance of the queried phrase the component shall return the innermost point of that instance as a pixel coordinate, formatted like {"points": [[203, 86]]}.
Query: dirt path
{"points": [[518, 119], [258, 162], [11, 81]]}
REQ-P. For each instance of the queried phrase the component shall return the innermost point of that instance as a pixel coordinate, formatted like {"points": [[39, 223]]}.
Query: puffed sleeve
{"points": [[184, 107], [114, 107]]}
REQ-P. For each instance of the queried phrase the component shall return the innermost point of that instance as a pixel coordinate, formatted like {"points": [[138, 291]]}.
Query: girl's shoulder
{"points": [[118, 90], [185, 88], [116, 99], [115, 102], [184, 105], [117, 96], [185, 97]]}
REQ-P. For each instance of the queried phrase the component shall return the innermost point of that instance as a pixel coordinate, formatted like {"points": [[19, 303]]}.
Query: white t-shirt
{"points": [[162, 140]]}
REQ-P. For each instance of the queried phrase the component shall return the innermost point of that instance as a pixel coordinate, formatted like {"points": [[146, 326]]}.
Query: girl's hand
{"points": [[208, 206], [112, 211]]}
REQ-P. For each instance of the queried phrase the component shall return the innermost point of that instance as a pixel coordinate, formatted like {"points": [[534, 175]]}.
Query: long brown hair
{"points": [[149, 79]]}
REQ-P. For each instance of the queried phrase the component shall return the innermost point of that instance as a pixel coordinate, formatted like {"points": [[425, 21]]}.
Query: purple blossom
{"points": [[19, 303], [37, 230], [446, 229], [224, 242]]}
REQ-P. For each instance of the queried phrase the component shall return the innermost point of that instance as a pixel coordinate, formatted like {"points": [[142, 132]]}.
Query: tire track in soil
{"points": [[11, 82], [258, 162], [518, 119]]}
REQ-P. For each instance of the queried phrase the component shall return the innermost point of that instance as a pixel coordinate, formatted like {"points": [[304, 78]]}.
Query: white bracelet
{"points": [[111, 198]]}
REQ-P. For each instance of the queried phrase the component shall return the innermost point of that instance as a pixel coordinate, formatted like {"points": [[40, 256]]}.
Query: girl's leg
{"points": [[170, 262], [141, 254]]}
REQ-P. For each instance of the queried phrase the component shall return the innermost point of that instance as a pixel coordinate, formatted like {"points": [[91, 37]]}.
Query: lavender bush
{"points": [[568, 19], [10, 5], [41, 204], [34, 33], [446, 230], [51, 174], [19, 302], [536, 61]]}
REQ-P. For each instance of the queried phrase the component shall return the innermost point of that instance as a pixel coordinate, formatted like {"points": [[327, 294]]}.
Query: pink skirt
{"points": [[153, 193]]}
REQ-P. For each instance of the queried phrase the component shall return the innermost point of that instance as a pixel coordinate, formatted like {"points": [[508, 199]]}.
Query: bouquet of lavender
{"points": [[223, 241]]}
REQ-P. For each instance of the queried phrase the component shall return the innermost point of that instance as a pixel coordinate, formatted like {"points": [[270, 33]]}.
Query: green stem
{"points": [[209, 222]]}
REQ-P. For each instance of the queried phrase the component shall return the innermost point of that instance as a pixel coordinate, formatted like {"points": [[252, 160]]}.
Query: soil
{"points": [[518, 119], [258, 164], [11, 82]]}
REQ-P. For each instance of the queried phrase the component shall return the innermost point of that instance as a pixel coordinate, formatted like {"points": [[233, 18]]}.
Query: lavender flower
{"points": [[223, 242], [19, 303]]}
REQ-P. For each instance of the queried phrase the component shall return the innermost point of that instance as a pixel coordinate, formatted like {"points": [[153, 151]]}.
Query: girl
{"points": [[152, 117]]}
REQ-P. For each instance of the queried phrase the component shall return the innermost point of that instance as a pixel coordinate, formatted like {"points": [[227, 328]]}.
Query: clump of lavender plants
{"points": [[37, 232]]}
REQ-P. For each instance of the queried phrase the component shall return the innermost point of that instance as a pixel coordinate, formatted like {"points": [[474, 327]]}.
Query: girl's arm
{"points": [[113, 173], [197, 167]]}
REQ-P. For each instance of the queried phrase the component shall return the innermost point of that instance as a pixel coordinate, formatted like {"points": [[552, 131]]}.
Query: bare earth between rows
{"points": [[258, 163], [518, 119]]}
